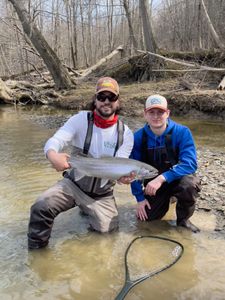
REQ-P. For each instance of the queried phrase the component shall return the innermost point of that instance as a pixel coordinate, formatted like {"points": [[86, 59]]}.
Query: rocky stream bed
{"points": [[211, 171]]}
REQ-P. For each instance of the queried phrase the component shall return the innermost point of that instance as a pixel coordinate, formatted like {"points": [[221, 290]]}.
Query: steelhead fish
{"points": [[110, 167]]}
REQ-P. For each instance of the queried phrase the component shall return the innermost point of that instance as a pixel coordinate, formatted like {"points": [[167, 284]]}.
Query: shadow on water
{"points": [[79, 264]]}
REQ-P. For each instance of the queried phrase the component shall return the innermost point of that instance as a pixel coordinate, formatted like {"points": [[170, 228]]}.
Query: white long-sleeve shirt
{"points": [[103, 141]]}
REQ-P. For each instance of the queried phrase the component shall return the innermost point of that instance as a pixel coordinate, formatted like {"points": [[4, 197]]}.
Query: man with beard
{"points": [[97, 133]]}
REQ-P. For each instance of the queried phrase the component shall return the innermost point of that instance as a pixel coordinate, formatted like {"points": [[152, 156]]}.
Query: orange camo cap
{"points": [[107, 84], [156, 101]]}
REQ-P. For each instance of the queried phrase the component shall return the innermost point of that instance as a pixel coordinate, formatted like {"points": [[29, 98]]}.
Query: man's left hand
{"points": [[154, 185]]}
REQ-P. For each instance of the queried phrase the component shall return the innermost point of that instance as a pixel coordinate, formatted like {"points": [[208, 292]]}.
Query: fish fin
{"points": [[103, 182], [79, 153], [76, 151]]}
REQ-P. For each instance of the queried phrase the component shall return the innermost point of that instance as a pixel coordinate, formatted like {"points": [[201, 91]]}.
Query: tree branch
{"points": [[200, 67]]}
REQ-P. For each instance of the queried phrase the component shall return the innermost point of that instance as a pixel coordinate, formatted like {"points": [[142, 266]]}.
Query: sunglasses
{"points": [[102, 97]]}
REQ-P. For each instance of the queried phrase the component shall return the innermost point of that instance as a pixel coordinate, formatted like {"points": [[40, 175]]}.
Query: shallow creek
{"points": [[79, 264]]}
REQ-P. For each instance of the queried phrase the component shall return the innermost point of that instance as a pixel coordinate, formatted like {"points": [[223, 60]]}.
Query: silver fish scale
{"points": [[112, 167]]}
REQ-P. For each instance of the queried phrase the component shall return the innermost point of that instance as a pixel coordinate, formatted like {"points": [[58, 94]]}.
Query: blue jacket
{"points": [[182, 140]]}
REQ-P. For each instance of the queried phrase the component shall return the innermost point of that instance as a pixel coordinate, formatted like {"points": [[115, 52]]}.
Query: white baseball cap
{"points": [[156, 101]]}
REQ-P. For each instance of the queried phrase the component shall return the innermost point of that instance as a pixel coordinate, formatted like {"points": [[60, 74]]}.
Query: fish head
{"points": [[145, 173]]}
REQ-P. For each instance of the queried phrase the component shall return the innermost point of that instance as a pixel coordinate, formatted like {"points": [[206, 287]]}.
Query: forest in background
{"points": [[63, 41], [81, 32]]}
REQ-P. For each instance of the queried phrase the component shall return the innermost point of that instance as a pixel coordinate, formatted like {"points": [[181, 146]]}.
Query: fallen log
{"points": [[200, 67], [101, 62], [221, 85], [186, 84], [5, 92], [24, 92]]}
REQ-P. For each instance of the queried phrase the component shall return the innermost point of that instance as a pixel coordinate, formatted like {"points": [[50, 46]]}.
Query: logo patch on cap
{"points": [[156, 101], [107, 84]]}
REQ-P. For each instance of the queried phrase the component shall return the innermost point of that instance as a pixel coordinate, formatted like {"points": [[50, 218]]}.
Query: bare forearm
{"points": [[59, 161]]}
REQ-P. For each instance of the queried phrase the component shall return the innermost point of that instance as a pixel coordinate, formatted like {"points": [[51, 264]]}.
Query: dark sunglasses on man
{"points": [[111, 97]]}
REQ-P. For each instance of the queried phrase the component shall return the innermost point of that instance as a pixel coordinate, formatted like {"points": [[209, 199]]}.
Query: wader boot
{"points": [[185, 190], [184, 221]]}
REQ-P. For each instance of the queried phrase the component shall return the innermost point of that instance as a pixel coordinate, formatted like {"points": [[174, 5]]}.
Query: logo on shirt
{"points": [[109, 145]]}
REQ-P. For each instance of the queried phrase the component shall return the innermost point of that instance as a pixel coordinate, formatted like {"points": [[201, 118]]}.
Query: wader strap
{"points": [[120, 131], [144, 147], [169, 147], [87, 141], [172, 154]]}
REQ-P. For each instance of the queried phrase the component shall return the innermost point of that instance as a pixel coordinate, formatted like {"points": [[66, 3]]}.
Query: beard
{"points": [[106, 111]]}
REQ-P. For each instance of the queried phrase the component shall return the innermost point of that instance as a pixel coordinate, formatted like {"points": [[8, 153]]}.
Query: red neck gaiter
{"points": [[102, 123]]}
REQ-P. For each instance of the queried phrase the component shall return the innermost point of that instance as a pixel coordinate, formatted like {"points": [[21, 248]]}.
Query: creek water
{"points": [[80, 264]]}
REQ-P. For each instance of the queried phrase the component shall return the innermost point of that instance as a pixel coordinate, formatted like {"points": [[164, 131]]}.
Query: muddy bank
{"points": [[203, 103], [201, 100]]}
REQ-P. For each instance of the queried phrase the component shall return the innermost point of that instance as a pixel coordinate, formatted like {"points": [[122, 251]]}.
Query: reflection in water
{"points": [[86, 265]]}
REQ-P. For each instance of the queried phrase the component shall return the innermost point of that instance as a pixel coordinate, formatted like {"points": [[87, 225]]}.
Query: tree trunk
{"points": [[211, 27], [74, 35], [83, 35], [59, 73], [199, 27], [147, 28], [109, 10], [4, 60], [131, 30]]}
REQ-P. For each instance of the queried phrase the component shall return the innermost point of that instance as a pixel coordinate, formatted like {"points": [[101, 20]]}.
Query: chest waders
{"points": [[103, 215], [92, 185], [162, 157], [185, 189]]}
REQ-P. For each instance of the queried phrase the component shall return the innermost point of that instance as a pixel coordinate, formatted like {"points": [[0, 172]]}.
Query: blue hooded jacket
{"points": [[182, 140]]}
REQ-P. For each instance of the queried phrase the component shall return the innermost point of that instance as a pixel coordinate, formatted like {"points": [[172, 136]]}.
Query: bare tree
{"points": [[131, 30], [4, 61], [84, 31], [55, 26], [199, 26], [83, 35], [150, 43], [58, 71], [215, 36], [109, 9]]}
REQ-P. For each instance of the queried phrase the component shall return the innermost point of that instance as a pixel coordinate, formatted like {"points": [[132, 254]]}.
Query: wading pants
{"points": [[185, 190], [102, 211]]}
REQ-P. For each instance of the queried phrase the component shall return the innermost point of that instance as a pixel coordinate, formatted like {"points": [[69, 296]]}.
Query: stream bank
{"points": [[204, 103]]}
